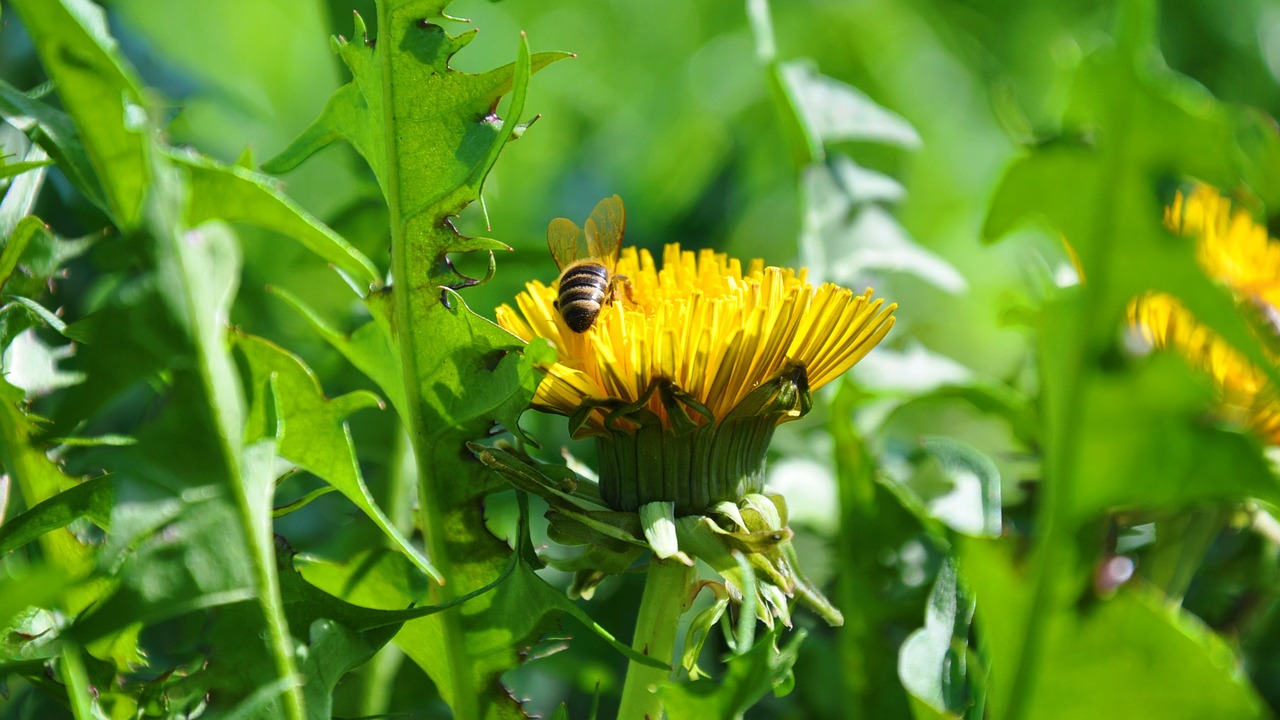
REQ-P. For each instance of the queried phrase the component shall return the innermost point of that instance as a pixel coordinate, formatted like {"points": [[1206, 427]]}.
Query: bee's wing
{"points": [[604, 230], [562, 239]]}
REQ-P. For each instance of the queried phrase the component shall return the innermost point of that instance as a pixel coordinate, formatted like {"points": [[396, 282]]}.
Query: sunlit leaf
{"points": [[311, 428], [234, 194], [93, 81], [39, 479]]}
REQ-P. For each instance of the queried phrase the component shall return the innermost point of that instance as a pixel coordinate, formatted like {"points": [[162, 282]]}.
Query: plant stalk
{"points": [[461, 690], [379, 674], [666, 597]]}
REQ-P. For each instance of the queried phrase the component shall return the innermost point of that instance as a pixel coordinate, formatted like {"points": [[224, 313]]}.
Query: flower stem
{"points": [[666, 596]]}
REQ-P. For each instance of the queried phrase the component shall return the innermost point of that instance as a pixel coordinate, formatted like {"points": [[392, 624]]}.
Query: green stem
{"points": [[666, 596], [379, 674], [1056, 558], [461, 691], [77, 681], [869, 660]]}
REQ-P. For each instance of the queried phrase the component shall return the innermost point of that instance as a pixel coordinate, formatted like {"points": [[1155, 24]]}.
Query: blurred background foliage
{"points": [[669, 106]]}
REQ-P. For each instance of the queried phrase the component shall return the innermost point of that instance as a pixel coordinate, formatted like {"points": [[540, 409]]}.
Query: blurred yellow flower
{"points": [[1236, 251], [703, 323]]}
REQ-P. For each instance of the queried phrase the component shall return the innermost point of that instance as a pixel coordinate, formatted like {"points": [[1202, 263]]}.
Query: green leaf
{"points": [[972, 504], [39, 479], [22, 589], [848, 238], [1121, 433], [869, 528], [445, 134], [234, 194], [1147, 444], [195, 272], [749, 676], [53, 131], [499, 621], [933, 660], [16, 244], [369, 348], [332, 650], [311, 428], [8, 170], [1171, 665], [831, 111], [431, 134], [129, 340], [45, 315], [101, 94], [700, 627], [92, 499]]}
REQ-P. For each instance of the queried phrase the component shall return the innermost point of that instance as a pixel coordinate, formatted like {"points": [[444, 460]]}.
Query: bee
{"points": [[587, 283]]}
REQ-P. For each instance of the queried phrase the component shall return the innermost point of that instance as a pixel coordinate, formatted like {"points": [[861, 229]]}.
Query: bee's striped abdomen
{"points": [[582, 291]]}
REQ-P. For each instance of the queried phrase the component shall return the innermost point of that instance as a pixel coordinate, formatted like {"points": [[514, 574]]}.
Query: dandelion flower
{"points": [[683, 379], [1234, 250]]}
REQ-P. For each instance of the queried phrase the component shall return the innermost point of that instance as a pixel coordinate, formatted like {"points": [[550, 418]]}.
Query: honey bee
{"points": [[587, 283]]}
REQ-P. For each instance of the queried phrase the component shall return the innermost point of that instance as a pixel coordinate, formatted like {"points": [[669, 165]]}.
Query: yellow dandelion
{"points": [[683, 379], [1236, 251]]}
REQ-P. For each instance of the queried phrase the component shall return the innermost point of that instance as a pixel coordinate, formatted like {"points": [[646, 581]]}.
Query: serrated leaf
{"points": [[851, 240], [431, 134], [198, 450], [369, 348], [832, 111], [444, 124], [312, 428]]}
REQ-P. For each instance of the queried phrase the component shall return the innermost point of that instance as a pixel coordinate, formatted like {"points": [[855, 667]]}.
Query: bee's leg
{"points": [[627, 287]]}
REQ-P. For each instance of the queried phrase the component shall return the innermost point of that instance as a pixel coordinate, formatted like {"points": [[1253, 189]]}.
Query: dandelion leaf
{"points": [[286, 402]]}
